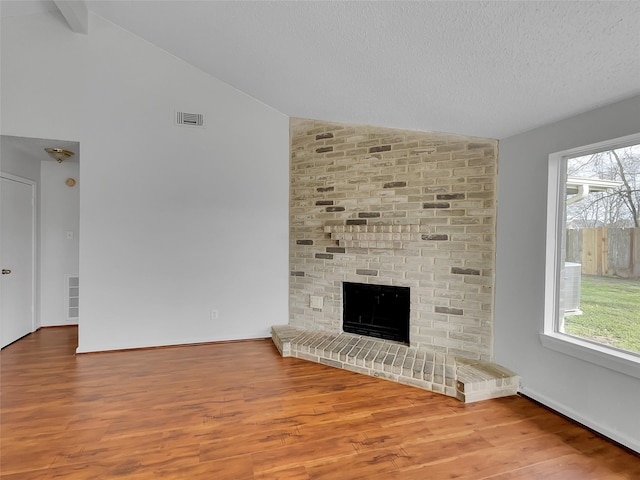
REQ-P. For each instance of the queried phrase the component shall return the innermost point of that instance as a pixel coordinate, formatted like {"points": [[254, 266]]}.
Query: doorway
{"points": [[56, 228]]}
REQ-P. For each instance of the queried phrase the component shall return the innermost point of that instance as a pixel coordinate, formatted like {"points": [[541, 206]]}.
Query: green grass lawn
{"points": [[611, 315]]}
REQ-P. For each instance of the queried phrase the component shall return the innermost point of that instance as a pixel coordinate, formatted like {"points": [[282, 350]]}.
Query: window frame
{"points": [[551, 337]]}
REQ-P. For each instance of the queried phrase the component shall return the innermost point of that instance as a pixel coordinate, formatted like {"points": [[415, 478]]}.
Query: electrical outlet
{"points": [[214, 314]]}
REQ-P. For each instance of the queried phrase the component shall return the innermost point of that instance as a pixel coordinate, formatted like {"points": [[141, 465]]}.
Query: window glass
{"points": [[598, 298]]}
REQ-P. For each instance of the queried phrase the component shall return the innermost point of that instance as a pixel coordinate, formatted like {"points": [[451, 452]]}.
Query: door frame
{"points": [[34, 243]]}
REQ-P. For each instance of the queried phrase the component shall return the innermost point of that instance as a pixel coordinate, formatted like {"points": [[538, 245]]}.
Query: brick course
{"points": [[394, 207]]}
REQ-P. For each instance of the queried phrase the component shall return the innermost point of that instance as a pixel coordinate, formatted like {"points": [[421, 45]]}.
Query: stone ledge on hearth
{"points": [[462, 378]]}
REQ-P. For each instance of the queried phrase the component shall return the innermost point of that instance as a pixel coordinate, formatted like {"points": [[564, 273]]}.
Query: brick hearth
{"points": [[462, 378]]}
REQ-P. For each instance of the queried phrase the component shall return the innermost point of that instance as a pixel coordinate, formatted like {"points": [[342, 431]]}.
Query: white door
{"points": [[17, 242]]}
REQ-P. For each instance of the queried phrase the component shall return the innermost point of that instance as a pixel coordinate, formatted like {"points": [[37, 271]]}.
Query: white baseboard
{"points": [[181, 343], [631, 443]]}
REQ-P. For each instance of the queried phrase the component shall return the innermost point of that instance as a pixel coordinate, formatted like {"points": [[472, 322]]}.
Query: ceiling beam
{"points": [[75, 13]]}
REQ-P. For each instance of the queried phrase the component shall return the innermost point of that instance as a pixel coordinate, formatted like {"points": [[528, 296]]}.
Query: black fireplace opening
{"points": [[376, 311]]}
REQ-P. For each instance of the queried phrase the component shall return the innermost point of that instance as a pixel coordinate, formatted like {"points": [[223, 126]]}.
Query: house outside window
{"points": [[592, 288]]}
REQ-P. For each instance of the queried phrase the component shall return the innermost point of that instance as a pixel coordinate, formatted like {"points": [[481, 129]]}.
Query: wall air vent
{"points": [[72, 297], [190, 119]]}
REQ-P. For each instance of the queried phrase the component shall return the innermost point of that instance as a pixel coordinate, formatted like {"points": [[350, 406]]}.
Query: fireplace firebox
{"points": [[376, 311]]}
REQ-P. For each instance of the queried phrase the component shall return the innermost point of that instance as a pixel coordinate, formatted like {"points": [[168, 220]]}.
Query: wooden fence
{"points": [[605, 251]]}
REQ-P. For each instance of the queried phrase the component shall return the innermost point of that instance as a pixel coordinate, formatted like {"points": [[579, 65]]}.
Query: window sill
{"points": [[615, 360]]}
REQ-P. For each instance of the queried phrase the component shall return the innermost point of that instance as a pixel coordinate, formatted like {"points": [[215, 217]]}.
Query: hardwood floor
{"points": [[240, 411]]}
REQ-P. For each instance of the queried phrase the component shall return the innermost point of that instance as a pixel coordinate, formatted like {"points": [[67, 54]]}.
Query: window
{"points": [[592, 304]]}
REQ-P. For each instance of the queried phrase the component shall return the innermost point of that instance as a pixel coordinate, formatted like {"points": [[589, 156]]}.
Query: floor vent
{"points": [[190, 119], [73, 297]]}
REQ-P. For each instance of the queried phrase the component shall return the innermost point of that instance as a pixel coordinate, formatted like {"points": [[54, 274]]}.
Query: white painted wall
{"points": [[59, 256], [604, 400], [173, 221], [14, 161]]}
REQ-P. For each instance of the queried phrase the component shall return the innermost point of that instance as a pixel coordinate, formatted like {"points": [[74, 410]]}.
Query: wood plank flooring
{"points": [[240, 411]]}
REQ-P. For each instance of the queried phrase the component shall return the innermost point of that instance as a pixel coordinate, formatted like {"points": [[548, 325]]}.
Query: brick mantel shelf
{"points": [[374, 236]]}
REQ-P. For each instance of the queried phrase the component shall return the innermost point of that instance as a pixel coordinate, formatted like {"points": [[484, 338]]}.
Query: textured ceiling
{"points": [[489, 69]]}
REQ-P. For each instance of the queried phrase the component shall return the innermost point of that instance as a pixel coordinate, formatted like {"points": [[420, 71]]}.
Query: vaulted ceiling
{"points": [[489, 69]]}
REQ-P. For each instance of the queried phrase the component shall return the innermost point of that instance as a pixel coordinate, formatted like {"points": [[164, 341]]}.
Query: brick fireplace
{"points": [[399, 208], [395, 208]]}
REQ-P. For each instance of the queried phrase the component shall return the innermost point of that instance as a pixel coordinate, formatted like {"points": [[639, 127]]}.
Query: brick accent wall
{"points": [[394, 207]]}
